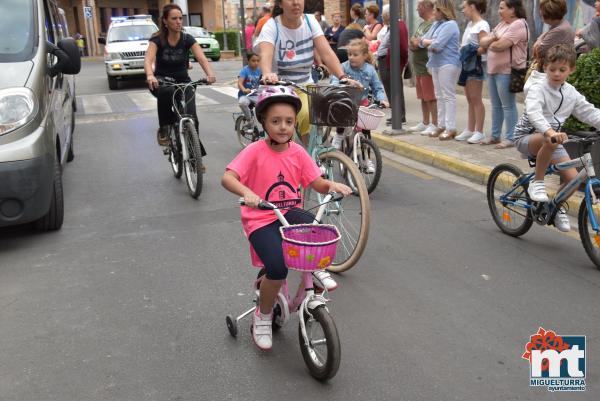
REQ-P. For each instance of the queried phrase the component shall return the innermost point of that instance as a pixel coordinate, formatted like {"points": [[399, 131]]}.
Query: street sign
{"points": [[87, 11]]}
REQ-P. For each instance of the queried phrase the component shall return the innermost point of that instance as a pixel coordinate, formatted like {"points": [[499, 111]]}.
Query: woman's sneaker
{"points": [[322, 279], [430, 128], [162, 136], [262, 331], [561, 221], [477, 137], [463, 136], [417, 128], [537, 191]]}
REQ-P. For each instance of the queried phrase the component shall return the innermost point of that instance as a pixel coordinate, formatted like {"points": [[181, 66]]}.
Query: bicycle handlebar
{"points": [[582, 136], [171, 82], [264, 205]]}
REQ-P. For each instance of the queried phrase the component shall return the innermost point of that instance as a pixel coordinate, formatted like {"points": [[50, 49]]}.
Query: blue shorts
{"points": [[522, 145]]}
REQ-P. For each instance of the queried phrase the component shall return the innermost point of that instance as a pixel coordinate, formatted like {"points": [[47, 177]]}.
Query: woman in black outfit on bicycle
{"points": [[167, 57]]}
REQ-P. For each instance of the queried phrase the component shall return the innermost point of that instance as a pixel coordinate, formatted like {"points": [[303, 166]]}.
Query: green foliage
{"points": [[233, 40], [586, 79]]}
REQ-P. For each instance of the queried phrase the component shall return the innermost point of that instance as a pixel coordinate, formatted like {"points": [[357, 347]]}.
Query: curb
{"points": [[473, 172]]}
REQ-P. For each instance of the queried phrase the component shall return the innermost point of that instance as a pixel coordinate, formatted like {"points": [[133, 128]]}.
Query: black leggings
{"points": [[167, 116], [266, 242]]}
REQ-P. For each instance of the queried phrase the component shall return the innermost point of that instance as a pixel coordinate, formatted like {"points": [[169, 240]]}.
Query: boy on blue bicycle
{"points": [[549, 101], [248, 80], [274, 169]]}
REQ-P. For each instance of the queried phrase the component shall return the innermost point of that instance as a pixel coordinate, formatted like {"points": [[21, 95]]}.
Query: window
{"points": [[18, 31]]}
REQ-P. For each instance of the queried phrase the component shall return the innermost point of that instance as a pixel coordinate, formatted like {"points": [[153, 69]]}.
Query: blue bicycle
{"points": [[514, 212]]}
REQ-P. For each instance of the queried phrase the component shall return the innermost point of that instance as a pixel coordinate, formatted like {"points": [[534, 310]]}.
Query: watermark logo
{"points": [[556, 362]]}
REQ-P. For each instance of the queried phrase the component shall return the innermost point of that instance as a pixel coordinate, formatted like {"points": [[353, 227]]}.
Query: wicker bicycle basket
{"points": [[369, 118], [309, 247], [333, 106]]}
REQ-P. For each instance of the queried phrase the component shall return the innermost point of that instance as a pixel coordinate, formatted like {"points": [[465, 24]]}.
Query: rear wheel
{"points": [[511, 213], [351, 215], [322, 353], [589, 238], [369, 156], [193, 165]]}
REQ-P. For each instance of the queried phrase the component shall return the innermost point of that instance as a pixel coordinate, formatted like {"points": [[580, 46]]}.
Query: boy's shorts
{"points": [[522, 145]]}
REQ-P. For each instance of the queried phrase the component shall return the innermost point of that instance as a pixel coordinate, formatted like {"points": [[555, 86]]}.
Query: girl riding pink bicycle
{"points": [[273, 170]]}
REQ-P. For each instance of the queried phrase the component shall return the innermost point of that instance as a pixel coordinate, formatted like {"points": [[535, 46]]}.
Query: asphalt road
{"points": [[128, 301]]}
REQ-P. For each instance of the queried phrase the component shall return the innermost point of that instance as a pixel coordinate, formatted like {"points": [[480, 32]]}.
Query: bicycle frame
{"points": [[587, 175]]}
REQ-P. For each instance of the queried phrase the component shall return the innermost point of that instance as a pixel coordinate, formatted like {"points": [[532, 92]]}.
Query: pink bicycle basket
{"points": [[368, 118], [309, 247]]}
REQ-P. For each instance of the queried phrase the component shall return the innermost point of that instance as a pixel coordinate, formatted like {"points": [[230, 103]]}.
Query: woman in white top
{"points": [[287, 46], [476, 29]]}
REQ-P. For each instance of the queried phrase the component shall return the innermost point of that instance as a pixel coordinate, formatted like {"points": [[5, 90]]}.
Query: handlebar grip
{"points": [[262, 205]]}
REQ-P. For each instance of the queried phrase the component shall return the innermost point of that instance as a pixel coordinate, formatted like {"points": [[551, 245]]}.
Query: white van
{"points": [[125, 47]]}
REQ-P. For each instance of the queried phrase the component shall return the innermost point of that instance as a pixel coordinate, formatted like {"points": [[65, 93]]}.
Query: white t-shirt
{"points": [[471, 34], [382, 32], [293, 55]]}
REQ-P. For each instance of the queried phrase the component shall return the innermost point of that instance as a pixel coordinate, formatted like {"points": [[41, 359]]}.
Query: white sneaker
{"points": [[262, 331], [561, 221], [430, 128], [370, 167], [337, 141], [463, 136], [477, 137], [537, 191], [417, 128], [322, 279]]}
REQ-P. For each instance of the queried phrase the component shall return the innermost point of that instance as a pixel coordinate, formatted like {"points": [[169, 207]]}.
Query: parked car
{"points": [[210, 46], [37, 102], [125, 47]]}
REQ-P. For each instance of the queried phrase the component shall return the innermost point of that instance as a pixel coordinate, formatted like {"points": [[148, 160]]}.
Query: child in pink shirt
{"points": [[274, 169]]}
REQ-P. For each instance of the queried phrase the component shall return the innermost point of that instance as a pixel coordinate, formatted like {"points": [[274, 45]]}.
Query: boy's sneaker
{"points": [[370, 167], [430, 128], [477, 137], [337, 141], [322, 279], [537, 191], [561, 221], [262, 331], [463, 136], [417, 128]]}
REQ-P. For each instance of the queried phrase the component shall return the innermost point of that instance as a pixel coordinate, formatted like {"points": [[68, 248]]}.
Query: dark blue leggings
{"points": [[266, 242]]}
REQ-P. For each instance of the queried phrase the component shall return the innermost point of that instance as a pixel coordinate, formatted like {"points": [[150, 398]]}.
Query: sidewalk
{"points": [[473, 162]]}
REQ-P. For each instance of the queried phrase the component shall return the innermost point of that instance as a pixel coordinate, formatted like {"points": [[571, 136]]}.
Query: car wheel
{"points": [[216, 58], [53, 220], [113, 83]]}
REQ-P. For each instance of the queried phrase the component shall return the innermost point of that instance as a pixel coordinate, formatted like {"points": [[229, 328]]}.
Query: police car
{"points": [[125, 47]]}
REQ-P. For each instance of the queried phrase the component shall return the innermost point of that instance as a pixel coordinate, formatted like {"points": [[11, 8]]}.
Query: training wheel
{"points": [[231, 325]]}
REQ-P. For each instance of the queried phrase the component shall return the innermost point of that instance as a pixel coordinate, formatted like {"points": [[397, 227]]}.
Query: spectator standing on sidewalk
{"points": [[473, 69], [591, 32], [442, 42], [560, 32], [265, 16], [249, 30], [424, 82], [321, 21], [357, 15], [332, 34], [372, 28], [506, 47]]}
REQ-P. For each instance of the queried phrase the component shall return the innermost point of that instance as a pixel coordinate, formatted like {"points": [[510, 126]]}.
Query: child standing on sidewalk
{"points": [[248, 79], [549, 101]]}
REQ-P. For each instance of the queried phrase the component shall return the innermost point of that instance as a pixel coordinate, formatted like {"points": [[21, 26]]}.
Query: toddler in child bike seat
{"points": [[549, 101], [359, 67], [274, 169]]}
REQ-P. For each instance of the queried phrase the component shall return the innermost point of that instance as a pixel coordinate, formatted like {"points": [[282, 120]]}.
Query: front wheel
{"points": [[175, 154], [351, 215], [370, 163], [589, 238], [508, 200], [193, 164], [244, 137], [322, 353]]}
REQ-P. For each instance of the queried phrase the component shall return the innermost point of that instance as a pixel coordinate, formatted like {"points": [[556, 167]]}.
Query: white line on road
{"points": [[226, 90], [202, 100], [143, 100], [93, 104]]}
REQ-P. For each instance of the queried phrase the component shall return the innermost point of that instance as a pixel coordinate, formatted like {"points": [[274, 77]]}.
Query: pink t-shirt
{"points": [[516, 32], [275, 177]]}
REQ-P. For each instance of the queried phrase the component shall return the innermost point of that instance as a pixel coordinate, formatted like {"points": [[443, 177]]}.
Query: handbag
{"points": [[518, 75]]}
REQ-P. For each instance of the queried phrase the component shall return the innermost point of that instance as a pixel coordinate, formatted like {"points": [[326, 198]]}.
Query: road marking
{"points": [[95, 104], [202, 100], [226, 90], [143, 100]]}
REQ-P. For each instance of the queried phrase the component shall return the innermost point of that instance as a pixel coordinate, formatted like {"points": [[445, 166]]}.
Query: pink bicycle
{"points": [[306, 248]]}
